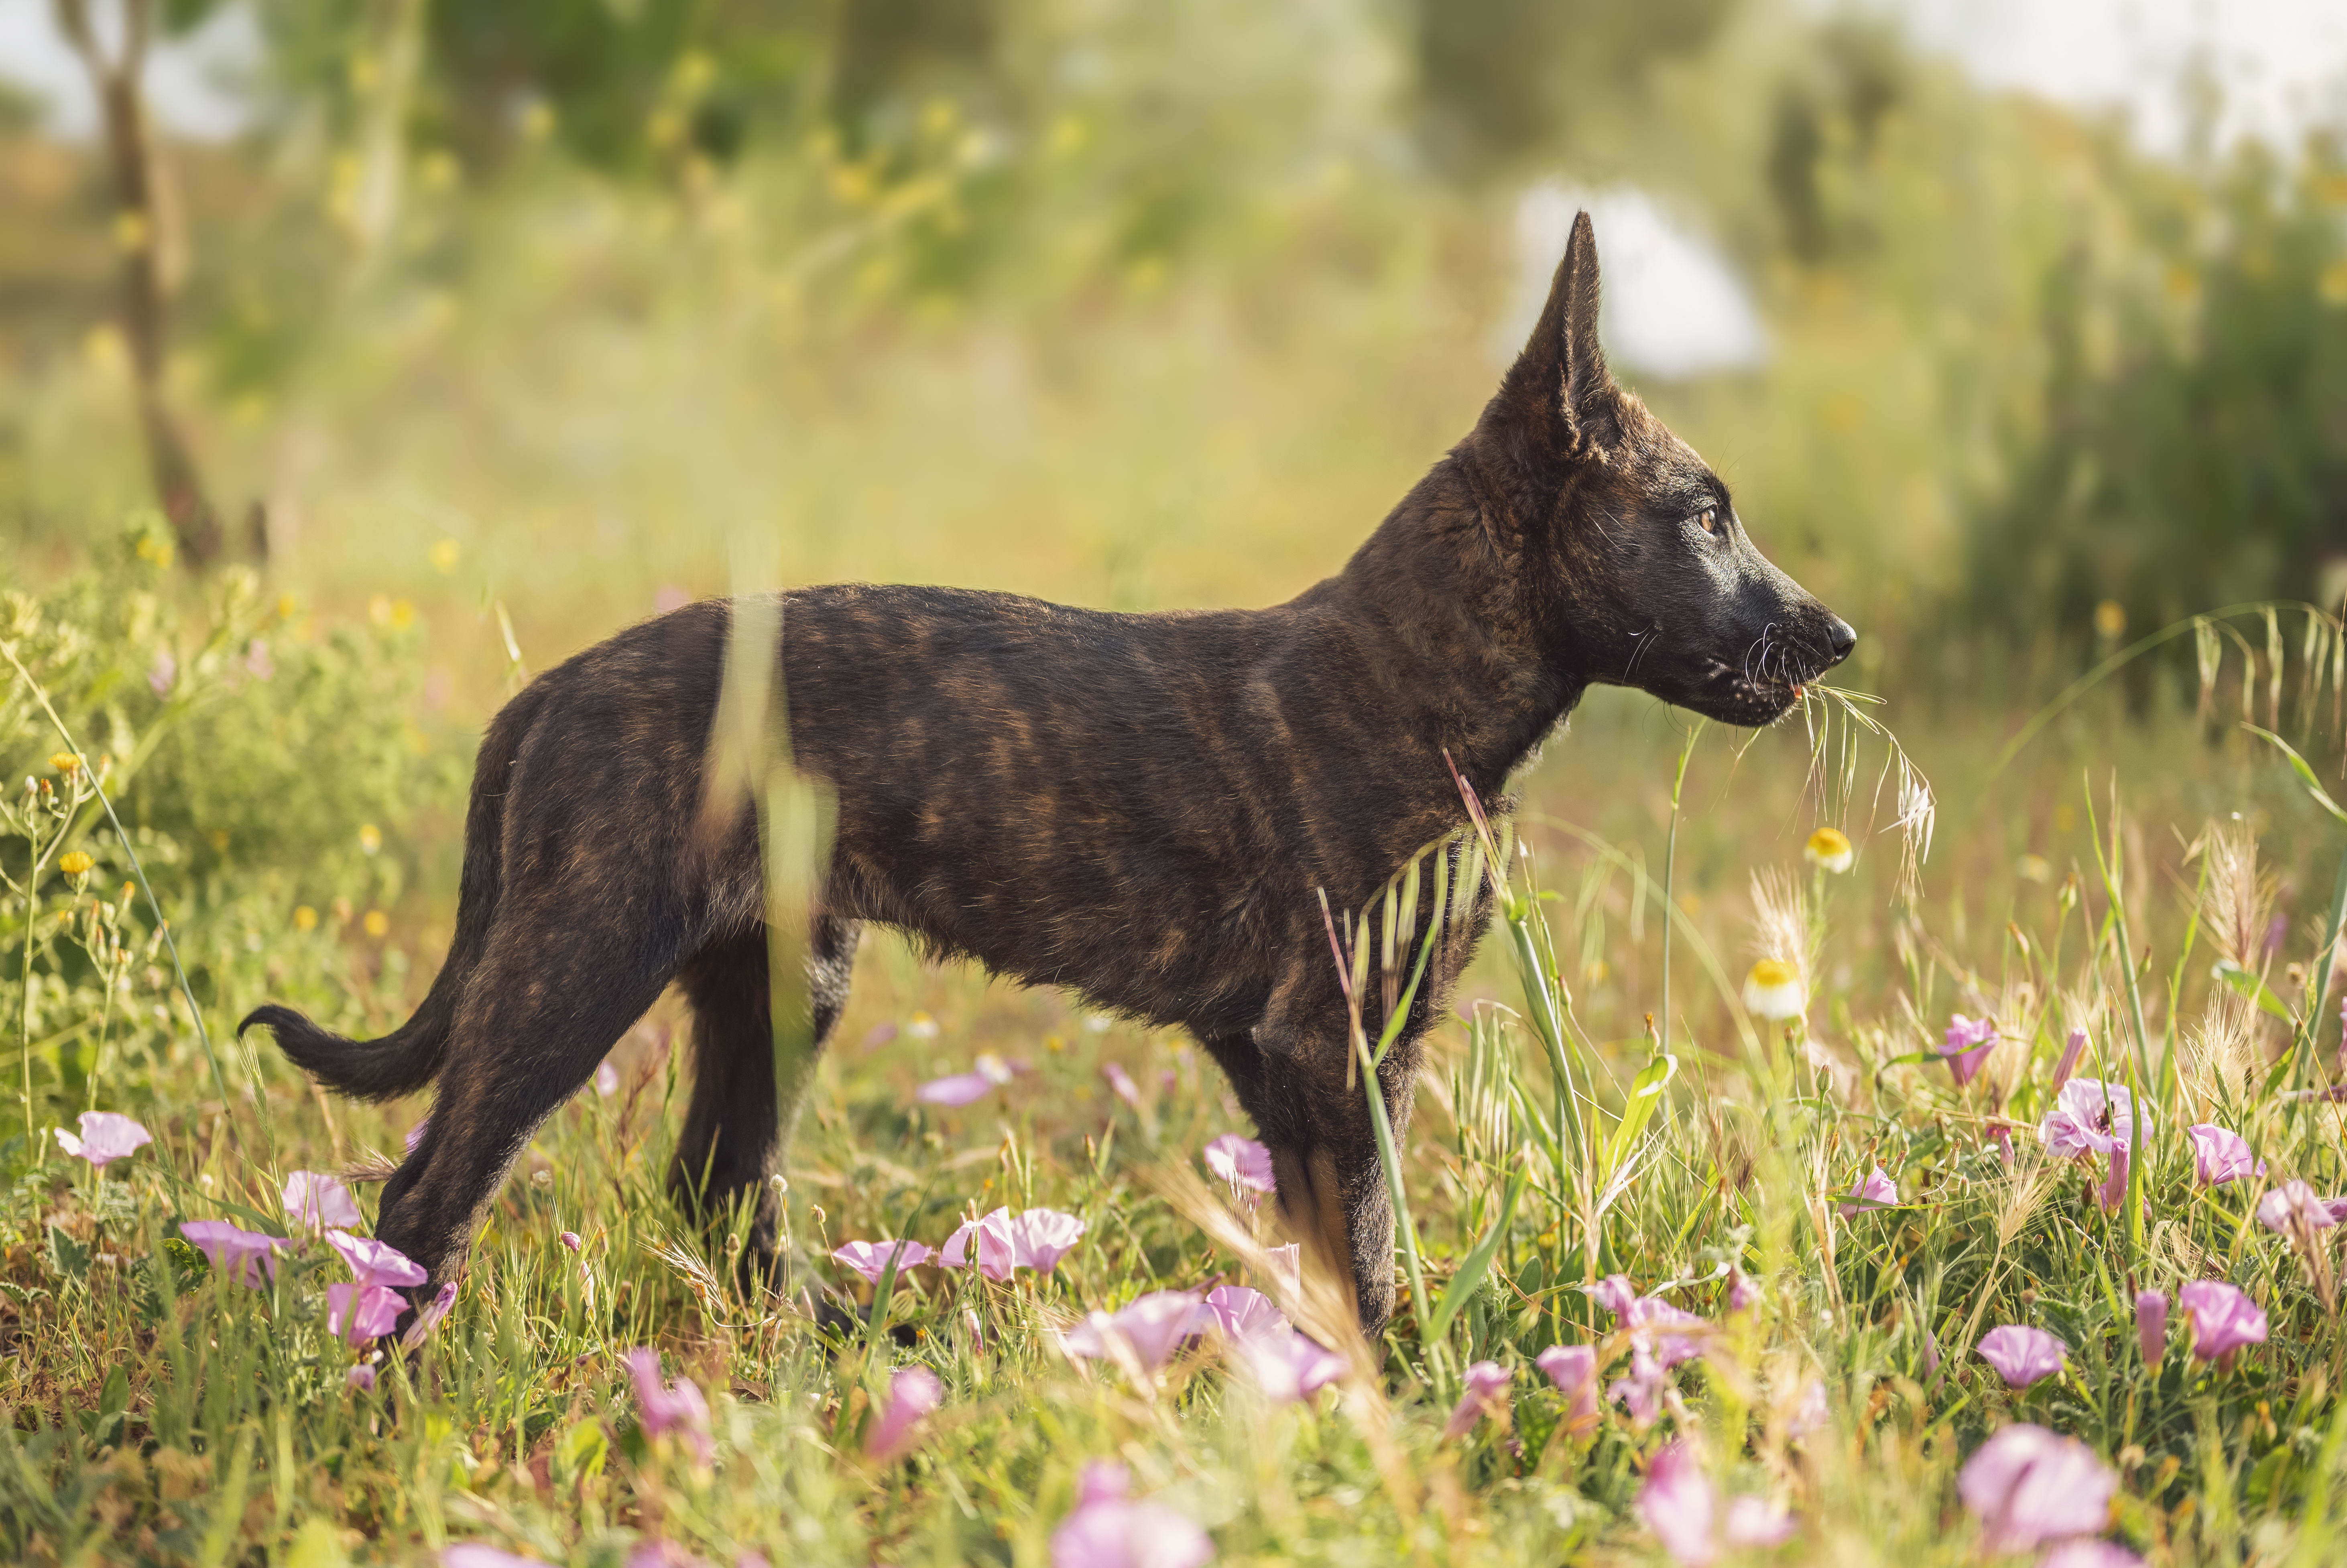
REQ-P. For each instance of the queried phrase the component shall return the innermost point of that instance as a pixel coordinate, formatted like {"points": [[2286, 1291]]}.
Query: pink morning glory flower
{"points": [[607, 1079], [1040, 1238], [1677, 1501], [242, 1255], [1240, 1312], [2292, 1208], [1967, 1045], [106, 1136], [2028, 1486], [360, 1378], [1573, 1370], [1652, 1321], [2223, 1318], [912, 1393], [473, 1554], [1755, 1523], [315, 1202], [372, 1262], [1486, 1395], [1286, 1366], [870, 1259], [2219, 1157], [428, 1318], [416, 1134], [1145, 1332], [1877, 1189], [968, 1088], [675, 1407], [2088, 1116], [1640, 1390], [989, 1244], [2151, 1325], [358, 1312], [571, 1242], [1121, 1083], [1743, 1291], [1108, 1530], [1242, 1164], [2072, 1049], [2022, 1355]]}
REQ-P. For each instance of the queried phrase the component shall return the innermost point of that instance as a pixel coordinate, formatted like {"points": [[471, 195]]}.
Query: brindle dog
{"points": [[1138, 807]]}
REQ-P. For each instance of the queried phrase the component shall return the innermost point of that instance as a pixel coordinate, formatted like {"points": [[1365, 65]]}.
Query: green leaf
{"points": [[66, 1256], [2305, 772], [1475, 1264], [1645, 1093], [2256, 989], [579, 1453]]}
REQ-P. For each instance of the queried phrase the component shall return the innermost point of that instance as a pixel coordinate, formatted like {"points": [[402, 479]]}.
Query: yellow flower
{"points": [[305, 919], [377, 923], [1773, 990], [1829, 847], [369, 838], [66, 762], [2110, 618], [74, 863]]}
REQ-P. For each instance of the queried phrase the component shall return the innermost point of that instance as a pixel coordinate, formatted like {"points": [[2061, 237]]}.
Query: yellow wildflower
{"points": [[74, 863], [1773, 990], [1829, 847]]}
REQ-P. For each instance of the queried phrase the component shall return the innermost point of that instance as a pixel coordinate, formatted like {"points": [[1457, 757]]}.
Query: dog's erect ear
{"points": [[1558, 392]]}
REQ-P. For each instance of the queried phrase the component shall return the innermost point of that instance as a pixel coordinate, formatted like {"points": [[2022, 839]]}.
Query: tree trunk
{"points": [[140, 235]]}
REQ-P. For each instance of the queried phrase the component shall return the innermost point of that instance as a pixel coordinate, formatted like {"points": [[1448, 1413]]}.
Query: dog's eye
{"points": [[1708, 519]]}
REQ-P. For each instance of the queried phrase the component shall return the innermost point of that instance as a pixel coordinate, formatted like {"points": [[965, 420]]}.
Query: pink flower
{"points": [[571, 1242], [1615, 1293], [1286, 1366], [2021, 1354], [607, 1079], [1486, 1395], [358, 1312], [106, 1137], [1241, 1163], [1287, 1265], [1757, 1524], [2151, 1325], [2088, 1115], [1967, 1045], [360, 1378], [1652, 1321], [2293, 1207], [1107, 1531], [2218, 1156], [2113, 1192], [961, 1089], [1040, 1238], [2029, 1486], [1121, 1083], [416, 1134], [1678, 1504], [1144, 1332], [1877, 1190], [473, 1554], [1573, 1370], [433, 1311], [372, 1262], [317, 1200], [1743, 1291], [1240, 1312], [912, 1393], [675, 1407], [1810, 1413], [242, 1255], [989, 1244], [2071, 1049], [1640, 1390], [2223, 1318], [870, 1259], [2089, 1555]]}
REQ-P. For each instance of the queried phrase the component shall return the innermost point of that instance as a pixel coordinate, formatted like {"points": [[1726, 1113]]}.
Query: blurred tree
{"points": [[2192, 448], [1500, 81], [1830, 110], [146, 235]]}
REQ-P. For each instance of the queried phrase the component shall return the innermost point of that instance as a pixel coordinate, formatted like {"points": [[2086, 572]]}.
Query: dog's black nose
{"points": [[1840, 636]]}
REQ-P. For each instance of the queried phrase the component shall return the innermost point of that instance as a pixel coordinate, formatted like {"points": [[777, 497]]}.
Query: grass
{"points": [[159, 1411]]}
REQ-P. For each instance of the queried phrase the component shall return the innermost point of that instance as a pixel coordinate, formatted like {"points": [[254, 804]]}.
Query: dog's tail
{"points": [[409, 1057]]}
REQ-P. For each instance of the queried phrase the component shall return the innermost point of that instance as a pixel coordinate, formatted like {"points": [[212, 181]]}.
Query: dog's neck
{"points": [[1447, 611]]}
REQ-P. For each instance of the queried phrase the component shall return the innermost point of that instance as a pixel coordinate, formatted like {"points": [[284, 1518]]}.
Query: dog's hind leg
{"points": [[737, 1128], [537, 1016]]}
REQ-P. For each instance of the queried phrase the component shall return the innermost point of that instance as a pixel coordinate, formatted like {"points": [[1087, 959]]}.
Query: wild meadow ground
{"points": [[1782, 1283]]}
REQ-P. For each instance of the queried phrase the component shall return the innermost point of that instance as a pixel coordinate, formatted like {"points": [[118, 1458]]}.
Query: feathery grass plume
{"points": [[2237, 907], [1836, 720]]}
